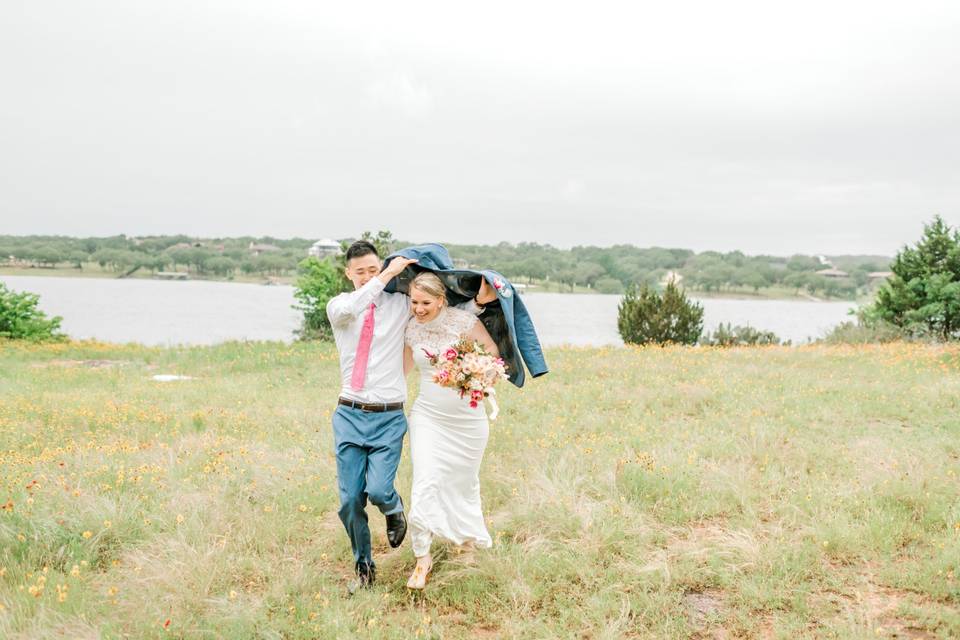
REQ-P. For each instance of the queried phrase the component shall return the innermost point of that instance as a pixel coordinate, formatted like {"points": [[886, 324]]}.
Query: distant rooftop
{"points": [[832, 273]]}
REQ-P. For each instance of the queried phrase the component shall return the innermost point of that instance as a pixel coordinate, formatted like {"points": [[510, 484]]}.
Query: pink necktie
{"points": [[363, 351]]}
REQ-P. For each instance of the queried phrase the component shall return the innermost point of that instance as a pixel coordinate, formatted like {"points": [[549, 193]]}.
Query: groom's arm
{"points": [[347, 306]]}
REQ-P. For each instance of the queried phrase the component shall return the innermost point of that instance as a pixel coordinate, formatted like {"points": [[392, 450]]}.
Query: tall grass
{"points": [[632, 493]]}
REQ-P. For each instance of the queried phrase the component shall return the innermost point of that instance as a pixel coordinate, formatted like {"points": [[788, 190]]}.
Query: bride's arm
{"points": [[407, 360], [476, 304], [479, 333]]}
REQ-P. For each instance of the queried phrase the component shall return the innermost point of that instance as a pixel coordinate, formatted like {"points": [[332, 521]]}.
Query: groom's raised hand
{"points": [[396, 266]]}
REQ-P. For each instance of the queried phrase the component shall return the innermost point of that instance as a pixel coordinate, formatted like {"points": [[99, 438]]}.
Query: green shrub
{"points": [[727, 335], [646, 317], [924, 290], [871, 331], [318, 282], [22, 319]]}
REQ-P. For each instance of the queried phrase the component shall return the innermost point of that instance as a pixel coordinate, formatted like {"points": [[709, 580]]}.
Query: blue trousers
{"points": [[368, 446]]}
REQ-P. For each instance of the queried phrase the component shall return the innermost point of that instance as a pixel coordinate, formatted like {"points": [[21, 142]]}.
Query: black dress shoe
{"points": [[366, 575], [396, 528]]}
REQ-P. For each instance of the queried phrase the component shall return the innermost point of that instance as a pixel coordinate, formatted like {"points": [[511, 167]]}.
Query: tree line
{"points": [[615, 269], [920, 300], [601, 269], [219, 257]]}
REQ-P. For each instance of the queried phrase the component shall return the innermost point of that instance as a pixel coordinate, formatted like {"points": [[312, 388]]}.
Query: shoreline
{"points": [[41, 272]]}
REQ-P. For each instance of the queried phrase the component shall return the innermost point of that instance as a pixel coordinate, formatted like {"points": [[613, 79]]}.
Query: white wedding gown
{"points": [[447, 440]]}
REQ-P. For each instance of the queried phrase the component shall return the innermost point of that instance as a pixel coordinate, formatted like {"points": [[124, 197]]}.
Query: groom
{"points": [[369, 424]]}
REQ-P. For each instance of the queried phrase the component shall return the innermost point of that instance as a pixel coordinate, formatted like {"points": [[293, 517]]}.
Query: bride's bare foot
{"points": [[418, 579]]}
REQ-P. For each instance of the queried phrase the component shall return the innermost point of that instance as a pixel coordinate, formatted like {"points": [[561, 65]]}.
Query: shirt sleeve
{"points": [[347, 306]]}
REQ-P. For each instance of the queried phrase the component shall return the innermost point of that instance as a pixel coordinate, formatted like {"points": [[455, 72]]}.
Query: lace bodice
{"points": [[439, 333]]}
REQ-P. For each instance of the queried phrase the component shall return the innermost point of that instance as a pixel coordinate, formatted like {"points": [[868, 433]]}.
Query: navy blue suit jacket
{"points": [[507, 319]]}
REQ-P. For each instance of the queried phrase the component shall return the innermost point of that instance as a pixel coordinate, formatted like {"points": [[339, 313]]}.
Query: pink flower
{"points": [[473, 404], [451, 354], [476, 395]]}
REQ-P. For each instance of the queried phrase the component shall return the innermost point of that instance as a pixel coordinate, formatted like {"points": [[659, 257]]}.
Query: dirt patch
{"points": [[881, 604], [701, 605], [878, 606]]}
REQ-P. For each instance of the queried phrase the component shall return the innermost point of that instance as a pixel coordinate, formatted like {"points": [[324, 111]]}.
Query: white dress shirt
{"points": [[384, 381]]}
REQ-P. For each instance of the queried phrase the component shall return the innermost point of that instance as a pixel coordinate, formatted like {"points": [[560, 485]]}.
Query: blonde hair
{"points": [[430, 284]]}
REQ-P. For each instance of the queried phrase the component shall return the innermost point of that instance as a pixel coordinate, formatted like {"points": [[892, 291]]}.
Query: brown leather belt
{"points": [[371, 406]]}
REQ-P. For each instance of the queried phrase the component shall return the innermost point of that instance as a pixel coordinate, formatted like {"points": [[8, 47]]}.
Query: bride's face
{"points": [[424, 306]]}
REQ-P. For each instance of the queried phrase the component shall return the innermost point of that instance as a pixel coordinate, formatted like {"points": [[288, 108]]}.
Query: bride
{"points": [[447, 436]]}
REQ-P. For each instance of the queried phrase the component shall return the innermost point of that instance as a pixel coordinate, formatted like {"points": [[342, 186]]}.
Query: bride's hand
{"points": [[487, 293]]}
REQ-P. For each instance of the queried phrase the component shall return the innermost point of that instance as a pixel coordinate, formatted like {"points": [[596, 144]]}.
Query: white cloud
{"points": [[749, 124], [399, 91], [573, 189]]}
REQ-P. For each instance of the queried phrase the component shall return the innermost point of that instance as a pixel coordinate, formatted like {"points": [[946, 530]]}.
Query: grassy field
{"points": [[633, 493]]}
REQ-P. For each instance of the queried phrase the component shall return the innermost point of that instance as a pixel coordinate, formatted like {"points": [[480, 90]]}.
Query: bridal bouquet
{"points": [[468, 368]]}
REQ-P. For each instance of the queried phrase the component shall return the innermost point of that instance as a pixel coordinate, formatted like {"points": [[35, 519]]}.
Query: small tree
{"points": [[609, 285], [318, 282], [383, 241], [220, 265], [22, 319], [645, 316], [77, 258], [924, 292]]}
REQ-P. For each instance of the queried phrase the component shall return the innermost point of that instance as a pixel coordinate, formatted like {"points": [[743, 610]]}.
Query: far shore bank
{"points": [[95, 272]]}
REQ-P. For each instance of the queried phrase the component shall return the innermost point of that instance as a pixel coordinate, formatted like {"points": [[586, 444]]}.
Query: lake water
{"points": [[157, 312]]}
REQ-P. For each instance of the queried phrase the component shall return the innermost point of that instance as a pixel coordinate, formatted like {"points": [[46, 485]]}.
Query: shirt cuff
{"points": [[375, 286]]}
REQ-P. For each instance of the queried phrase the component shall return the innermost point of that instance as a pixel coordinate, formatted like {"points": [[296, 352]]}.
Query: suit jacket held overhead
{"points": [[507, 319]]}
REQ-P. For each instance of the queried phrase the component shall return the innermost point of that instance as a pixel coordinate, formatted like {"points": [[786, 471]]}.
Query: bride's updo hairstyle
{"points": [[431, 285]]}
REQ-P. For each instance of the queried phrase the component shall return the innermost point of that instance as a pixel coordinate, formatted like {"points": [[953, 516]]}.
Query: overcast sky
{"points": [[767, 126]]}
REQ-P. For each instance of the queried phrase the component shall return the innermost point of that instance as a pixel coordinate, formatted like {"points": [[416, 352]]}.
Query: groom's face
{"points": [[361, 270]]}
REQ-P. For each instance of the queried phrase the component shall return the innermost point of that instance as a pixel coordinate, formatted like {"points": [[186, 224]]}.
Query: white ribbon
{"points": [[495, 408]]}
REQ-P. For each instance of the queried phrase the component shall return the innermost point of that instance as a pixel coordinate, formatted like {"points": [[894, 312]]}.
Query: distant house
{"points": [[460, 263], [260, 249], [323, 248], [833, 273], [879, 275]]}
